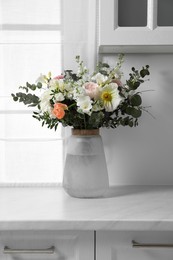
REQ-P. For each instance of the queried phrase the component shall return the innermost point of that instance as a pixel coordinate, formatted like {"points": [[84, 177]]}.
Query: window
{"points": [[30, 44], [34, 40]]}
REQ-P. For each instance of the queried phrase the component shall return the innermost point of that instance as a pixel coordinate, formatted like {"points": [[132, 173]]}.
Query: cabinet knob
{"points": [[8, 250], [147, 245]]}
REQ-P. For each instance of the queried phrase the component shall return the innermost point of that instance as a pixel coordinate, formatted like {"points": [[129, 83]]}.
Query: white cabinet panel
{"points": [[38, 245], [127, 23], [117, 245]]}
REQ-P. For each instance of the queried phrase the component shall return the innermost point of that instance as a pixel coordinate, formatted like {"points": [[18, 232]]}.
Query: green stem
{"points": [[72, 105], [85, 122]]}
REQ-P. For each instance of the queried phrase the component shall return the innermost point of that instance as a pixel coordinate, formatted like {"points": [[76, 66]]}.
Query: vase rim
{"points": [[85, 131]]}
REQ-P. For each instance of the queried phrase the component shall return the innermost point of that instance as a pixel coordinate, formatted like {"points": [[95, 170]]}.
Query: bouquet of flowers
{"points": [[86, 101]]}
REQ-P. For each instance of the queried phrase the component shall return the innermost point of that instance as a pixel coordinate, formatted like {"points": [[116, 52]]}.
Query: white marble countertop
{"points": [[123, 208]]}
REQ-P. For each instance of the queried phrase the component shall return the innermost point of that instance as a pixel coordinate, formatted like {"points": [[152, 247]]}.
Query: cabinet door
{"points": [[47, 245], [136, 25], [118, 245]]}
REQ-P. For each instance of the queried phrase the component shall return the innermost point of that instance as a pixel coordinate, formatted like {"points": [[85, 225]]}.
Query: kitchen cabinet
{"points": [[134, 245], [135, 26], [40, 245], [45, 223], [86, 245]]}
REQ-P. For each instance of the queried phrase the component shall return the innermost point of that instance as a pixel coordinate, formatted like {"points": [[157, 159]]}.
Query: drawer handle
{"points": [[8, 250], [143, 245]]}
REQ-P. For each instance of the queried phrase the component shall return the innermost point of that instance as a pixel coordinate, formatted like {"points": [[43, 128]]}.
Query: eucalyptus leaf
{"points": [[136, 112], [144, 72], [136, 100]]}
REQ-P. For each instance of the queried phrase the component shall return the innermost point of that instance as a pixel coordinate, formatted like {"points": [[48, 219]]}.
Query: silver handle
{"points": [[146, 245], [8, 250]]}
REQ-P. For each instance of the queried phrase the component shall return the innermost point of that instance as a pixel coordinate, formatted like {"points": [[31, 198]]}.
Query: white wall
{"points": [[144, 155]]}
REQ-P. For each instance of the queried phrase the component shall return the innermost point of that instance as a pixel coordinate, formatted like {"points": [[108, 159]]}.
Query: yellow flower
{"points": [[110, 97]]}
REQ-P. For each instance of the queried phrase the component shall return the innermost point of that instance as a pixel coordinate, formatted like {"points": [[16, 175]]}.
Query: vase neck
{"points": [[85, 131]]}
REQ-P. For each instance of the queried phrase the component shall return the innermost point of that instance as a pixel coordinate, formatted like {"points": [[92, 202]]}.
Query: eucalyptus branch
{"points": [[144, 109]]}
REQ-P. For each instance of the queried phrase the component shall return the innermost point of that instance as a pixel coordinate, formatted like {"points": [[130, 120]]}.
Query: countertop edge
{"points": [[88, 225]]}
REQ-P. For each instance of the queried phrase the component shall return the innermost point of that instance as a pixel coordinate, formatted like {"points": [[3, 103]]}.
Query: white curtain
{"points": [[30, 44], [38, 36], [79, 32]]}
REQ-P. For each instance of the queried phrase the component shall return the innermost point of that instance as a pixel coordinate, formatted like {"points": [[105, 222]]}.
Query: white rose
{"points": [[85, 104]]}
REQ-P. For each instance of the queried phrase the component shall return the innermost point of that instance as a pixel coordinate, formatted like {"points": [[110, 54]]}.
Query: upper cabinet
{"points": [[135, 26]]}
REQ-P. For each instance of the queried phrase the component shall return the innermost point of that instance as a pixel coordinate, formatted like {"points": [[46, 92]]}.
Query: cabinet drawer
{"points": [[45, 245], [145, 245]]}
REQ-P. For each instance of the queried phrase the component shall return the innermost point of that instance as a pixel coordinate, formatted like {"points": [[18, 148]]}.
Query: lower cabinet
{"points": [[46, 245], [139, 245], [86, 245]]}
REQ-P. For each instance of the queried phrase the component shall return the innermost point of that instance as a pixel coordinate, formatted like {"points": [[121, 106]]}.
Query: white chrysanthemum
{"points": [[99, 78], [59, 97], [85, 104], [45, 101], [110, 97]]}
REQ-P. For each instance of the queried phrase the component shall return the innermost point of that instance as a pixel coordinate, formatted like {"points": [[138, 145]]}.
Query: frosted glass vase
{"points": [[85, 171]]}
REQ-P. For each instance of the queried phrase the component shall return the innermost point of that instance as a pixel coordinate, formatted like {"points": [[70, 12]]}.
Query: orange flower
{"points": [[58, 110]]}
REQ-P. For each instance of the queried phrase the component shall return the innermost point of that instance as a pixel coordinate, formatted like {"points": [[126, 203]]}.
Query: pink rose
{"points": [[92, 89], [119, 83], [59, 77]]}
